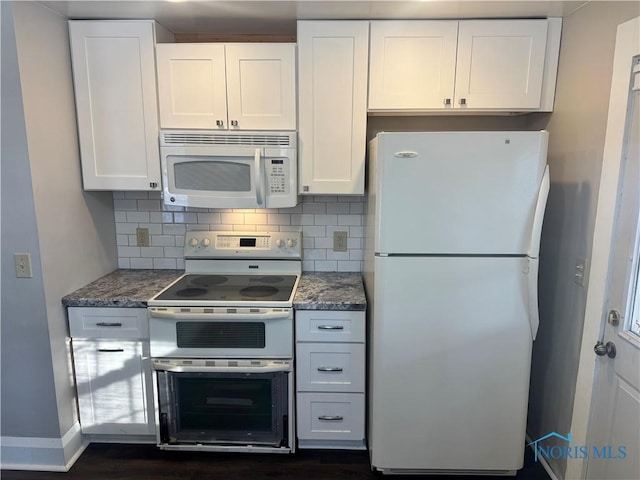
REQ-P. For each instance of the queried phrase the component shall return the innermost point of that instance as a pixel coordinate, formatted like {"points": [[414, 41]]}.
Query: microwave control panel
{"points": [[277, 169]]}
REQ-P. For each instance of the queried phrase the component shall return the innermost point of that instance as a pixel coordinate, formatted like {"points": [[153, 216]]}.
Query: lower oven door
{"points": [[224, 404]]}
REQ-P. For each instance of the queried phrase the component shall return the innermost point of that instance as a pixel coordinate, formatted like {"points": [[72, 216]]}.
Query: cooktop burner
{"points": [[230, 288]]}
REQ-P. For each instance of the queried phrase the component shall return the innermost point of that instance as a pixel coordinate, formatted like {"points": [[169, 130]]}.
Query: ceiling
{"points": [[279, 17]]}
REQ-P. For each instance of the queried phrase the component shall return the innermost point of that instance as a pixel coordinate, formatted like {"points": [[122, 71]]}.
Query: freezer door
{"points": [[450, 356], [458, 192]]}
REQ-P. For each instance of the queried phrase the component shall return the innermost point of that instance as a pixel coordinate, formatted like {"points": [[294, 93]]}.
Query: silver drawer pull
{"points": [[329, 369], [108, 324], [330, 327], [110, 350], [332, 418]]}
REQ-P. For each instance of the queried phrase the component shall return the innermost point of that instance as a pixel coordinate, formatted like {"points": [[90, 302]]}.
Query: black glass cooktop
{"points": [[250, 288]]}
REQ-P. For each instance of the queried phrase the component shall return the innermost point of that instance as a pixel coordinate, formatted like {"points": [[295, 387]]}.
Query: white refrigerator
{"points": [[452, 233]]}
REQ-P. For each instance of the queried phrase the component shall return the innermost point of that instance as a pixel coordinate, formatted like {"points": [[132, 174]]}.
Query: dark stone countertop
{"points": [[330, 291], [122, 288], [132, 289]]}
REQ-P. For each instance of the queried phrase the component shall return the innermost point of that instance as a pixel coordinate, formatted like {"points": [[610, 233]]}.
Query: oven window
{"points": [[213, 176], [234, 408], [220, 334]]}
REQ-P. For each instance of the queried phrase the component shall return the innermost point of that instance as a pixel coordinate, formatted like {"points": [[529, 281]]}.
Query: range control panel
{"points": [[213, 244]]}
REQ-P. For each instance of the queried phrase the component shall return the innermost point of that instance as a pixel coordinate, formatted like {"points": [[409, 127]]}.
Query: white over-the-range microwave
{"points": [[234, 169]]}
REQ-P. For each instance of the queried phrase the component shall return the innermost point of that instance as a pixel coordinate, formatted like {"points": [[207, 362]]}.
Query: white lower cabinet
{"points": [[330, 379], [112, 371]]}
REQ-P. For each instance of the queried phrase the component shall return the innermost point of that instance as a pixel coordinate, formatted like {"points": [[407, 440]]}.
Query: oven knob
{"points": [[291, 242], [193, 242], [279, 243], [205, 242]]}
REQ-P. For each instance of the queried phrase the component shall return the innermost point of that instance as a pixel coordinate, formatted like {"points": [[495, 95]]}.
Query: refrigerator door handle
{"points": [[532, 287], [536, 229]]}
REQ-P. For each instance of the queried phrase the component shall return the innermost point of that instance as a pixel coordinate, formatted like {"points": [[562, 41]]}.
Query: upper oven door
{"points": [[229, 176], [177, 332]]}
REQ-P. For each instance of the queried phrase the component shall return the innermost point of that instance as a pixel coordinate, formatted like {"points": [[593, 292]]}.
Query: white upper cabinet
{"points": [[479, 65], [332, 96], [192, 85], [413, 64], [239, 86], [500, 64], [115, 89]]}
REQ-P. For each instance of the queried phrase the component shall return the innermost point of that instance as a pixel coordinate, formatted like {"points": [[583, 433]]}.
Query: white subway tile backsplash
{"points": [[325, 219], [139, 217], [150, 205], [349, 219], [279, 219], [119, 204], [317, 217], [136, 195], [335, 208], [163, 241], [151, 252], [141, 262], [128, 251], [168, 263]]}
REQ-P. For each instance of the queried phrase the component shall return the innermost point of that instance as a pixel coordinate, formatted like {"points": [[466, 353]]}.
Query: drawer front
{"points": [[326, 367], [330, 416], [94, 322], [330, 326]]}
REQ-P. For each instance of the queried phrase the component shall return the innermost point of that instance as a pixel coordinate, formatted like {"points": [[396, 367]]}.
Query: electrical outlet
{"points": [[23, 265], [142, 236], [339, 241]]}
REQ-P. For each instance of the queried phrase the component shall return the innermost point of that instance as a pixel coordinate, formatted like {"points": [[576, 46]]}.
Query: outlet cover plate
{"points": [[142, 236], [339, 241]]}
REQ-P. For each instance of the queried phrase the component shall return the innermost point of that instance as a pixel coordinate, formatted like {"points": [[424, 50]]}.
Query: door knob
{"points": [[608, 349]]}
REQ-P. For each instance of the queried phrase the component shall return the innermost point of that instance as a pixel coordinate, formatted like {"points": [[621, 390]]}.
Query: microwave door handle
{"points": [[258, 165]]}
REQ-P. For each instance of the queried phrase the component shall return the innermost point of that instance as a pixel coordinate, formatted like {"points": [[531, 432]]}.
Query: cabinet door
{"points": [[500, 64], [413, 64], [261, 86], [115, 87], [113, 380], [192, 90], [332, 91]]}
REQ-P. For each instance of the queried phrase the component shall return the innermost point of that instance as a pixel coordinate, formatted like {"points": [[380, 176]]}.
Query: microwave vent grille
{"points": [[223, 139]]}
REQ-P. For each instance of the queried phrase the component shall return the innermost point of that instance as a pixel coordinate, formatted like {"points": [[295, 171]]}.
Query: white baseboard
{"points": [[42, 454], [544, 462]]}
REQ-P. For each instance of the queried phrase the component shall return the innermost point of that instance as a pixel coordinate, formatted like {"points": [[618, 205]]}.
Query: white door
{"points": [[413, 64], [459, 192], [115, 88], [332, 84], [449, 369], [261, 86], [615, 416], [500, 64], [192, 90]]}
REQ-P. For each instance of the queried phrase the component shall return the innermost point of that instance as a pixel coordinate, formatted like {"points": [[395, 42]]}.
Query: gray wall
{"points": [[576, 142], [28, 393], [70, 234]]}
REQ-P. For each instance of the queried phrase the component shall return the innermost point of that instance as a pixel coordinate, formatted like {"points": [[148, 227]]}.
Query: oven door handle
{"points": [[218, 316], [203, 369]]}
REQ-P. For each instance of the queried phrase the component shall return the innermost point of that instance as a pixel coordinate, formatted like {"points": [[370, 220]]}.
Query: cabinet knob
{"points": [[463, 101], [219, 123], [153, 184], [447, 101], [234, 123]]}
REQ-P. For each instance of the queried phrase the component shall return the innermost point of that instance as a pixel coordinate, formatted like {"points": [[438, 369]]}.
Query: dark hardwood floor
{"points": [[128, 462]]}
